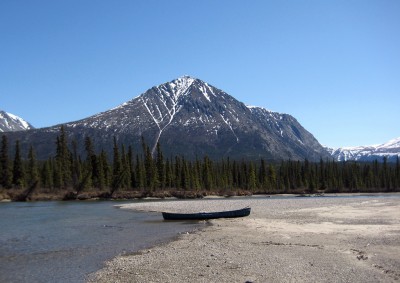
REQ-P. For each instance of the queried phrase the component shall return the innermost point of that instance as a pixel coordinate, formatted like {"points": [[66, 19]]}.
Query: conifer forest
{"points": [[127, 174]]}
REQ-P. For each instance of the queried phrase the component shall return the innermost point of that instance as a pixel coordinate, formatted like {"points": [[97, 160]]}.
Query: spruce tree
{"points": [[252, 183], [194, 177], [126, 181], [101, 179], [90, 164], [117, 169], [152, 180], [140, 173], [57, 174], [397, 172], [105, 173], [263, 179], [46, 175], [235, 175], [322, 175], [272, 178], [185, 176], [168, 174], [160, 166], [177, 173], [32, 173], [229, 174], [6, 176], [18, 169], [243, 175], [207, 174], [131, 167], [63, 158], [79, 178]]}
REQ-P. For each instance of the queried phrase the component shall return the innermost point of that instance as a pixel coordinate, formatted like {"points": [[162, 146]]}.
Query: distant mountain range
{"points": [[390, 149], [10, 122], [188, 117]]}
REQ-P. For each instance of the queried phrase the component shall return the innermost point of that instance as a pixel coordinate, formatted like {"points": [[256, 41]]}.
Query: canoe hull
{"points": [[207, 215]]}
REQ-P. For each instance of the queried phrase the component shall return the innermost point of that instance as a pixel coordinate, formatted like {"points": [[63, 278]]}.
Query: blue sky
{"points": [[333, 65]]}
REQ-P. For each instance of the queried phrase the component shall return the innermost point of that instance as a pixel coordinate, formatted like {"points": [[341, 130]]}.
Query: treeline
{"points": [[152, 174]]}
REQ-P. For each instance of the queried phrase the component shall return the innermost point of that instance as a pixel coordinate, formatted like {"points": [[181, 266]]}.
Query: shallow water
{"points": [[65, 241]]}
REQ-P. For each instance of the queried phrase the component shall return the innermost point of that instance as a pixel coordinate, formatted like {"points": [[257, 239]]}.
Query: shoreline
{"points": [[284, 239], [168, 195]]}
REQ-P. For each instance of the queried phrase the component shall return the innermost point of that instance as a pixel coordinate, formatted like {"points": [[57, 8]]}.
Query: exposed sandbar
{"points": [[283, 240]]}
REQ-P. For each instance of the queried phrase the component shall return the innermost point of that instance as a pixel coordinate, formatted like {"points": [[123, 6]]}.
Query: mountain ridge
{"points": [[389, 149], [193, 118]]}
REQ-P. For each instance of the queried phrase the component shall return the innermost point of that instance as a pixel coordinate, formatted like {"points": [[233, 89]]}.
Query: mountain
{"points": [[390, 149], [10, 122], [189, 117]]}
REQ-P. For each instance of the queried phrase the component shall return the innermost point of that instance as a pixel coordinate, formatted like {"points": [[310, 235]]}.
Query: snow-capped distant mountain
{"points": [[390, 149], [189, 117], [10, 122]]}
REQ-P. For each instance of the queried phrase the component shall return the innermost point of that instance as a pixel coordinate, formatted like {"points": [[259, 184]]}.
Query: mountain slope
{"points": [[390, 149], [192, 118], [10, 122]]}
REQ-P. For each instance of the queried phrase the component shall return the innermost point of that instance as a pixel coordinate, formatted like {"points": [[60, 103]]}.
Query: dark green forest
{"points": [[127, 174]]}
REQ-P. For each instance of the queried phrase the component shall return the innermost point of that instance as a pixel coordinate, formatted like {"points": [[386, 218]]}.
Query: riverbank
{"points": [[7, 195], [283, 240]]}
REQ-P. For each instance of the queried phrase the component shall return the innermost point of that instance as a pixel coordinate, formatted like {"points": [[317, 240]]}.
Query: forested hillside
{"points": [[139, 174]]}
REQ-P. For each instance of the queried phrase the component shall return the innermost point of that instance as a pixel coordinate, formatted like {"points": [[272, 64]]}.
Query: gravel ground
{"points": [[283, 240]]}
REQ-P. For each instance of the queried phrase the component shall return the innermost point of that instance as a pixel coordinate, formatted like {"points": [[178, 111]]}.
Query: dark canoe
{"points": [[207, 215]]}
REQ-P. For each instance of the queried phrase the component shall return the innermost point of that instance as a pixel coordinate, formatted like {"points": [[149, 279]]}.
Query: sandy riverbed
{"points": [[283, 240]]}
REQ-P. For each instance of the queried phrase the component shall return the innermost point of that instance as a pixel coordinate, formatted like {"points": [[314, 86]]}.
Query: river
{"points": [[65, 241]]}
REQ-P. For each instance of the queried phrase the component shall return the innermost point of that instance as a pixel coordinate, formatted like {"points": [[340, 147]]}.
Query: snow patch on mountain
{"points": [[390, 149], [10, 122], [169, 94], [180, 86]]}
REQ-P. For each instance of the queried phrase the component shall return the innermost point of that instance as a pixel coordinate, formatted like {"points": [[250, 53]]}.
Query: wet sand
{"points": [[283, 240]]}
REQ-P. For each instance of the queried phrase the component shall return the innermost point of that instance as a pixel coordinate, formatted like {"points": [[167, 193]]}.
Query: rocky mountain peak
{"points": [[179, 86], [185, 87], [190, 117], [10, 122]]}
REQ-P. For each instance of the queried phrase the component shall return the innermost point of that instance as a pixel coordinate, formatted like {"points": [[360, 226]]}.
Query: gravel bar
{"points": [[283, 240]]}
